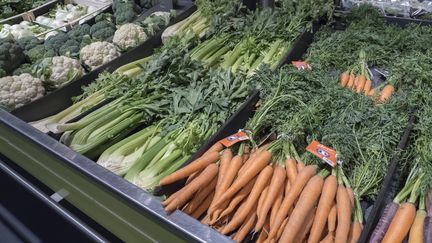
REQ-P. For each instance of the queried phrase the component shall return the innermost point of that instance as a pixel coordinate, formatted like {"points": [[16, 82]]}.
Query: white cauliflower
{"points": [[16, 91], [98, 53], [129, 36], [57, 71], [160, 13]]}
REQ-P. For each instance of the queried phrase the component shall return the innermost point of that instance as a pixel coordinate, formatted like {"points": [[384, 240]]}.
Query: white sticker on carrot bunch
{"points": [[323, 152], [233, 139]]}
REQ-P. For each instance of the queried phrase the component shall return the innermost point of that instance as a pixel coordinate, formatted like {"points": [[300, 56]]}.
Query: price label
{"points": [[323, 152], [233, 139], [300, 65]]}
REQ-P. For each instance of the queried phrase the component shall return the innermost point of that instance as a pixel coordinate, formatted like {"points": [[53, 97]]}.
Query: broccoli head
{"points": [[104, 16], [24, 68], [79, 32], [102, 30], [28, 43], [11, 55], [125, 13], [40, 52], [70, 48], [56, 41]]}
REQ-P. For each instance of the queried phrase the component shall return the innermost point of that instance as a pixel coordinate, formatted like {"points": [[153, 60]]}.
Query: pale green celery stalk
{"points": [[132, 65], [272, 51], [118, 151], [105, 127], [255, 66], [69, 113], [281, 54], [191, 19], [216, 58], [110, 133], [148, 175], [249, 61], [199, 25], [162, 153], [91, 117], [213, 51], [237, 64], [143, 161], [81, 136], [130, 159], [207, 46], [231, 57]]}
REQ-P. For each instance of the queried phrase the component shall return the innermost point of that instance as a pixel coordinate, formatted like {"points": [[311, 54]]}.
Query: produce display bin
{"points": [[61, 98]]}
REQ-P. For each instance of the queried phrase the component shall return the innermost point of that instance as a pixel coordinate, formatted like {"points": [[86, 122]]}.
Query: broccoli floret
{"points": [[70, 48], [55, 42], [11, 55], [104, 16], [125, 13], [24, 68], [40, 52], [28, 43], [102, 30], [79, 32]]}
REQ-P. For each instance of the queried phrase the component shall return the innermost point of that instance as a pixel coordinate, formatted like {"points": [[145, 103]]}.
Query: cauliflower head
{"points": [[57, 71], [16, 91], [98, 53], [129, 36]]}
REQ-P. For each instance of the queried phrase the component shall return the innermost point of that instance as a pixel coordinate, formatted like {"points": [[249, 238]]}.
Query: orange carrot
{"points": [[344, 77], [276, 206], [331, 221], [277, 182], [197, 165], [200, 196], [246, 227], [251, 159], [371, 92], [324, 206], [355, 83], [240, 215], [205, 219], [351, 196], [287, 187], [203, 207], [386, 92], [244, 192], [350, 83], [186, 192], [281, 229], [417, 229], [216, 147], [263, 235], [308, 198], [343, 214], [260, 162], [329, 238], [401, 223], [234, 166], [302, 179], [291, 169], [300, 166], [192, 176], [306, 226], [361, 82], [262, 198], [355, 231], [367, 87]]}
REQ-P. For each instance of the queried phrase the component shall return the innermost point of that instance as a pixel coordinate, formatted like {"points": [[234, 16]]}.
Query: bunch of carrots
{"points": [[362, 82], [401, 220], [262, 191]]}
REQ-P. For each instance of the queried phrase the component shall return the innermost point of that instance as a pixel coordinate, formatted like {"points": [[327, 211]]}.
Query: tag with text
{"points": [[233, 139], [325, 153]]}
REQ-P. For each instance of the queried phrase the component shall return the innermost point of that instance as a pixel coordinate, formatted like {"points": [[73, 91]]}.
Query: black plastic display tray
{"points": [[62, 97]]}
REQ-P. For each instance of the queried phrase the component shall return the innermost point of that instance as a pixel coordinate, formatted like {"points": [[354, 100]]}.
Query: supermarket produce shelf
{"points": [[127, 211]]}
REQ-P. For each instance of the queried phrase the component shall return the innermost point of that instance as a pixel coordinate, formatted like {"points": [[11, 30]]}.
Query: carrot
{"points": [[331, 221], [246, 227], [386, 92], [197, 165], [205, 219], [371, 92], [203, 207], [355, 83], [216, 147], [227, 180], [329, 238], [277, 182], [351, 196], [224, 164], [401, 223], [291, 169], [251, 159], [192, 176], [417, 229], [240, 215], [261, 199], [186, 192], [281, 229], [324, 206], [306, 226], [287, 187], [361, 82], [308, 198], [355, 231], [343, 214], [344, 77], [297, 187], [367, 87], [350, 83], [244, 192], [276, 206], [200, 196], [263, 235], [300, 166], [260, 162]]}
